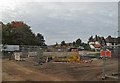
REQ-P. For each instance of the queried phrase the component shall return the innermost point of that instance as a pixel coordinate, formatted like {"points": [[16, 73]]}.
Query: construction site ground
{"points": [[29, 70]]}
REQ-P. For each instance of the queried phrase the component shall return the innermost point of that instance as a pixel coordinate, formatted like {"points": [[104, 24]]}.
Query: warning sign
{"points": [[17, 56], [102, 53], [106, 53]]}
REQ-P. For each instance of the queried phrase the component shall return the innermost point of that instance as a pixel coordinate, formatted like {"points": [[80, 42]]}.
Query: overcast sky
{"points": [[67, 21]]}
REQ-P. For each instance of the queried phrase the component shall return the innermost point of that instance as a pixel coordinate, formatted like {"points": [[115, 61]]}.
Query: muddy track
{"points": [[15, 72], [27, 71]]}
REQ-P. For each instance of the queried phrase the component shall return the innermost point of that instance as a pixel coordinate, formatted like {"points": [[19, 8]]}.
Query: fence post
{"points": [[40, 55], [118, 50], [104, 64]]}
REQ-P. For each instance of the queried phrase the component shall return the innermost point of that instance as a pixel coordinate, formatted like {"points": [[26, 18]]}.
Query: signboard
{"points": [[17, 56], [106, 53], [102, 52]]}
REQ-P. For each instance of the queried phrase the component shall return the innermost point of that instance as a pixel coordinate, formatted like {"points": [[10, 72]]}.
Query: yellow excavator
{"points": [[74, 57]]}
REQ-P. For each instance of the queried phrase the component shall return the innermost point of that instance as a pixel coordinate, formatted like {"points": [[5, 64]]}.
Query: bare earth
{"points": [[28, 70]]}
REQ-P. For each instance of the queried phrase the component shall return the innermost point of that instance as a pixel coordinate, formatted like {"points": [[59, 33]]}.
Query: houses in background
{"points": [[94, 43], [112, 41], [97, 42]]}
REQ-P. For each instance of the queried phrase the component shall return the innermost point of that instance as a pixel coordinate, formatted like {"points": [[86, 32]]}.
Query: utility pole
{"points": [[118, 30], [118, 38], [118, 19]]}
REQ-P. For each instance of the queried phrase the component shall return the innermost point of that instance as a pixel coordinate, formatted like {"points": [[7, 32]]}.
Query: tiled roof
{"points": [[112, 40]]}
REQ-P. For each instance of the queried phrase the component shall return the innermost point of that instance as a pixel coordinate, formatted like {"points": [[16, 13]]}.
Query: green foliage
{"points": [[63, 43], [86, 46], [20, 35], [56, 44], [40, 39], [74, 44], [78, 42]]}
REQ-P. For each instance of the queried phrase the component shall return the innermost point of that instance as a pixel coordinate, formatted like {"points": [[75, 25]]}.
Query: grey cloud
{"points": [[68, 20]]}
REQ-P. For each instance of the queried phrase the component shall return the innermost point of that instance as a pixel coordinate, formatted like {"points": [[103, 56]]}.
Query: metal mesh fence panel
{"points": [[109, 61]]}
